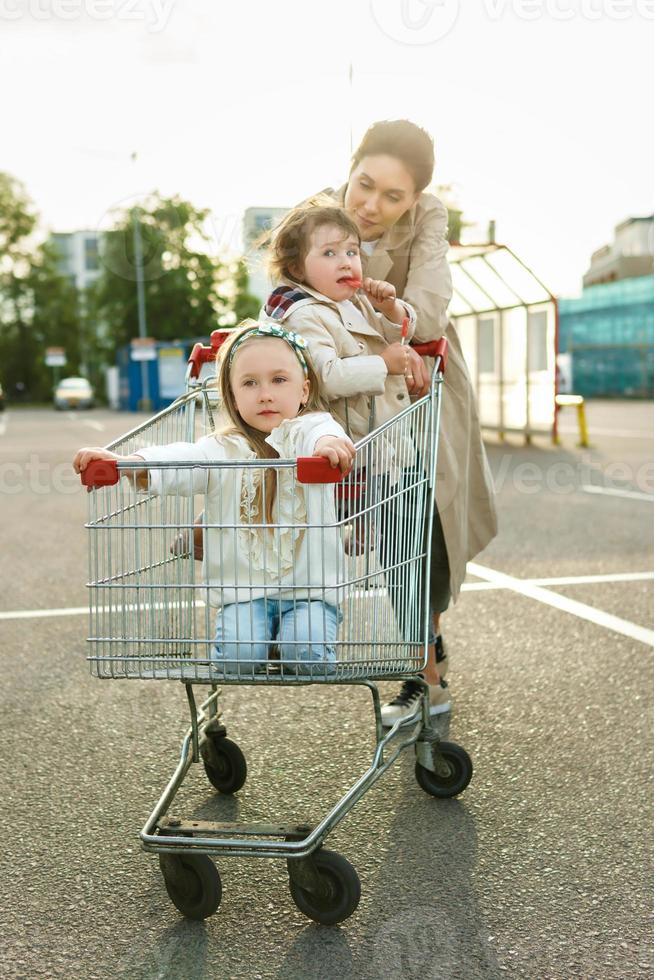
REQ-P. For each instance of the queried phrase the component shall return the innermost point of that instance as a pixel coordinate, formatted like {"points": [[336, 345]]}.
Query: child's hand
{"points": [[383, 297], [85, 456], [396, 358], [339, 450]]}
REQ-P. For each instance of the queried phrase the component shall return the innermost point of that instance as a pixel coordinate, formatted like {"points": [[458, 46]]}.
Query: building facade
{"points": [[256, 222], [79, 256], [79, 260], [631, 254], [609, 332]]}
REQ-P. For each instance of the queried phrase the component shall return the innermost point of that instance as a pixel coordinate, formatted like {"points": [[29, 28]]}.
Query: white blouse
{"points": [[302, 558]]}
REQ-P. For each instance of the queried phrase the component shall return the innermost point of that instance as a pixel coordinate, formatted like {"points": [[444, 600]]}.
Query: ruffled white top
{"points": [[300, 558]]}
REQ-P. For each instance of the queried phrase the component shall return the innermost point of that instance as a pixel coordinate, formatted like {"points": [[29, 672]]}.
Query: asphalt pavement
{"points": [[541, 869]]}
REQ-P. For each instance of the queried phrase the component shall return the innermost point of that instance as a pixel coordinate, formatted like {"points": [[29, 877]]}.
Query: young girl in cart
{"points": [[272, 580]]}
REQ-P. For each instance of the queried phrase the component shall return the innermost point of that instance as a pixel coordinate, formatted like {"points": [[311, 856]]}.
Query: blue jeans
{"points": [[303, 630]]}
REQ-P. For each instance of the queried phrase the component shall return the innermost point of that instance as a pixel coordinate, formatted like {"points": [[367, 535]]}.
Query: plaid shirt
{"points": [[281, 300]]}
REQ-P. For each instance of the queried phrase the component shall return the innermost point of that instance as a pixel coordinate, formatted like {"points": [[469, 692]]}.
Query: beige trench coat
{"points": [[347, 358], [412, 255]]}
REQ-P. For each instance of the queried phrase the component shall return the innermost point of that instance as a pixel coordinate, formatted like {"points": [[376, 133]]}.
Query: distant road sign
{"points": [[55, 356], [143, 349]]}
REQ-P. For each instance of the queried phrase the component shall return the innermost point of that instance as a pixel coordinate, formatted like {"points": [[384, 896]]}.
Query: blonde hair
{"points": [[291, 239], [238, 426]]}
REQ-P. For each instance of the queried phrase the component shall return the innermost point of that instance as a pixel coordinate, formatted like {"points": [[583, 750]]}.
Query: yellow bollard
{"points": [[578, 402]]}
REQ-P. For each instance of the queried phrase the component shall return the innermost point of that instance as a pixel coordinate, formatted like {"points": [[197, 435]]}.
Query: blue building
{"points": [[609, 331]]}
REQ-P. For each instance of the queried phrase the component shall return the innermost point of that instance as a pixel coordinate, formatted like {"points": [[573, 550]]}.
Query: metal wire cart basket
{"points": [[153, 614]]}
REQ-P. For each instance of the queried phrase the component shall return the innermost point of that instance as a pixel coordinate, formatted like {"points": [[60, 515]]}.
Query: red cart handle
{"points": [[202, 355], [310, 469], [100, 473], [434, 348], [318, 469]]}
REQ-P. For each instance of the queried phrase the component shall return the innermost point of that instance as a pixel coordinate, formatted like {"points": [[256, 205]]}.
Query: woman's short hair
{"points": [[403, 140], [291, 239]]}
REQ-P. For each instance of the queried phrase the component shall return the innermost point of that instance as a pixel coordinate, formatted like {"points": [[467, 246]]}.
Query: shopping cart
{"points": [[152, 616]]}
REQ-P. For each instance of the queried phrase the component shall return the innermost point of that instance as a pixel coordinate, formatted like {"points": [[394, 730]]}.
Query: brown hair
{"points": [[403, 140], [291, 238], [254, 438]]}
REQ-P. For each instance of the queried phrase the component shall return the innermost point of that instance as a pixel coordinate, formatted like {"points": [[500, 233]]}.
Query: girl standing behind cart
{"points": [[270, 584]]}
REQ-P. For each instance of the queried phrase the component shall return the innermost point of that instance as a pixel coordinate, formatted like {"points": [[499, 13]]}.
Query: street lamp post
{"points": [[145, 403]]}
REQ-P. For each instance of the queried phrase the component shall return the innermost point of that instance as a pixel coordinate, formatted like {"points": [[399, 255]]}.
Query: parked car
{"points": [[73, 393]]}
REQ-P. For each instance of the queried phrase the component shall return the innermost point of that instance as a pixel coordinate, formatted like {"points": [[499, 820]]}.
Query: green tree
{"points": [[187, 291], [38, 306], [17, 223], [455, 225], [245, 303], [56, 319]]}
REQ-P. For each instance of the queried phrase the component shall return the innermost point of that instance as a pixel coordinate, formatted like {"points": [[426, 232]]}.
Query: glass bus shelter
{"points": [[508, 325]]}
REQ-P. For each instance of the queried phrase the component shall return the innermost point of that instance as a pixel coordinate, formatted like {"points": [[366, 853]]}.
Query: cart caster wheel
{"points": [[193, 884], [343, 890], [224, 764], [445, 785]]}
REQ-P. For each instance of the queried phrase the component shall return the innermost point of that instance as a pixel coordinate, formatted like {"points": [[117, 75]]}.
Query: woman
{"points": [[404, 241]]}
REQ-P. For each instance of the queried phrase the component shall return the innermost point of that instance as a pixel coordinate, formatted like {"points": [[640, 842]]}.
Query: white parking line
{"points": [[564, 580], [84, 610], [611, 492], [92, 423], [579, 609], [595, 579], [44, 613], [491, 585]]}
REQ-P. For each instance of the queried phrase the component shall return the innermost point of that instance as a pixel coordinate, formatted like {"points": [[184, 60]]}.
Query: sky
{"points": [[540, 109]]}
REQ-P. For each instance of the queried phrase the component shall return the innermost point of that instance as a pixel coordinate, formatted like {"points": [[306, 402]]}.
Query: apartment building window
{"points": [[91, 260]]}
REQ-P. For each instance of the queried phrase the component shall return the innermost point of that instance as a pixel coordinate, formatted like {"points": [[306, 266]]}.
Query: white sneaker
{"points": [[406, 703]]}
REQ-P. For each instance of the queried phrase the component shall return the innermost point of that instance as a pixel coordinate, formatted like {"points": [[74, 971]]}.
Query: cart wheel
{"points": [[343, 890], [225, 765], [193, 883], [444, 786]]}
